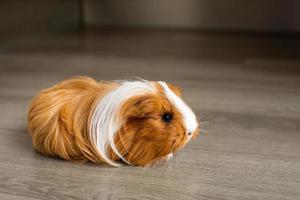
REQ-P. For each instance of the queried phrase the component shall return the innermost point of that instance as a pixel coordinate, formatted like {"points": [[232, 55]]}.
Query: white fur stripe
{"points": [[189, 117], [106, 121]]}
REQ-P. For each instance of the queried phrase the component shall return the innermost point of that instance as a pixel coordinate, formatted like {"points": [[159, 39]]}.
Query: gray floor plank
{"points": [[244, 88]]}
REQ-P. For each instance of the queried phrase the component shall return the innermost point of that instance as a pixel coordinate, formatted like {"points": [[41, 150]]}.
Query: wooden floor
{"points": [[245, 88]]}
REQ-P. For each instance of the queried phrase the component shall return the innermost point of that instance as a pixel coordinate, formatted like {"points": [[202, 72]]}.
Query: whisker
{"points": [[204, 131], [173, 145], [204, 122]]}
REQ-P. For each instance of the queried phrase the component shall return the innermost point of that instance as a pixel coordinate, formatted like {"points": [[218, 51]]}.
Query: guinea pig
{"points": [[136, 122]]}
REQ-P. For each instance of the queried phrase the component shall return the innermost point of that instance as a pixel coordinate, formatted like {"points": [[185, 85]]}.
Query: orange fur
{"points": [[145, 138], [59, 117]]}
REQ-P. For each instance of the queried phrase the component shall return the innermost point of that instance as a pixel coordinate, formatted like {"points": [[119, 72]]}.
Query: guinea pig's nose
{"points": [[190, 133]]}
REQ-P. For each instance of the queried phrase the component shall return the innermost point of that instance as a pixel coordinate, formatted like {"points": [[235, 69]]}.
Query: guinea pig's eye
{"points": [[167, 117]]}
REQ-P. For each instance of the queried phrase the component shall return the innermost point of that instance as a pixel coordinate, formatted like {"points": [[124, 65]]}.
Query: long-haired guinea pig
{"points": [[119, 122]]}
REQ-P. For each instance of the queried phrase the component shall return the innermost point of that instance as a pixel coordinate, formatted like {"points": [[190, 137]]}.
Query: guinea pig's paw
{"points": [[169, 156], [164, 159]]}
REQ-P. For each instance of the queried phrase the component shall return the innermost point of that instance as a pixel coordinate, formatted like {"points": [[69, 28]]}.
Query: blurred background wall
{"points": [[221, 15], [33, 17]]}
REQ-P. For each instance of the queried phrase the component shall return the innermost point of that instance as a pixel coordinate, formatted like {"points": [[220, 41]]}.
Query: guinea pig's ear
{"points": [[175, 89], [136, 106]]}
